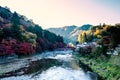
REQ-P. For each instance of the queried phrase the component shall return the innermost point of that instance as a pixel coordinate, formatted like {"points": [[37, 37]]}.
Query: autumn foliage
{"points": [[20, 49], [25, 49], [21, 36]]}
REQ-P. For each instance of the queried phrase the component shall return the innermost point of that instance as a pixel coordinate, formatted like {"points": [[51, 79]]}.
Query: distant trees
{"points": [[85, 37], [7, 32], [16, 33], [104, 35], [35, 29], [52, 37], [29, 37], [15, 19], [5, 13], [114, 33], [60, 38], [1, 35]]}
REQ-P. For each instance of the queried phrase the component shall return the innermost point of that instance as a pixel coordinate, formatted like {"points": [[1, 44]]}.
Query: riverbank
{"points": [[31, 64], [28, 64], [108, 69], [33, 67], [55, 65]]}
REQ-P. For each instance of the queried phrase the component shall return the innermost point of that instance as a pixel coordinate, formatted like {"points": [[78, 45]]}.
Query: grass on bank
{"points": [[107, 67]]}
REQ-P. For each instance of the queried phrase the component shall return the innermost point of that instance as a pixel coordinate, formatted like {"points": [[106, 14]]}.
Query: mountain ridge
{"points": [[70, 33]]}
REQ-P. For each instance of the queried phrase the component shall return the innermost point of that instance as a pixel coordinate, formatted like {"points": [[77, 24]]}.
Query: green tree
{"points": [[1, 35], [60, 38], [84, 37], [80, 38], [114, 32], [6, 32], [30, 38], [16, 33], [35, 29], [5, 13], [38, 30], [15, 19]]}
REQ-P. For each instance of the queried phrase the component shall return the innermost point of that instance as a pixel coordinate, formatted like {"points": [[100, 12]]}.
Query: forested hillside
{"points": [[22, 36], [102, 34]]}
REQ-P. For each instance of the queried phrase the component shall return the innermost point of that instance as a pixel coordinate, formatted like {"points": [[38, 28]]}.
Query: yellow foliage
{"points": [[30, 37], [97, 32], [99, 36]]}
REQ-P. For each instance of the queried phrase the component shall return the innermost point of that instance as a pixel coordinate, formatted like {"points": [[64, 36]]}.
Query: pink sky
{"points": [[58, 13]]}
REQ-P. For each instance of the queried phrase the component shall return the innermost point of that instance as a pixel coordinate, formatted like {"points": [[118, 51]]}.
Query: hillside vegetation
{"points": [[104, 56], [70, 33], [22, 36]]}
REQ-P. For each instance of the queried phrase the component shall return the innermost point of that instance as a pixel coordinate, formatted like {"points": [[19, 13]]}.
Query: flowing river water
{"points": [[69, 70]]}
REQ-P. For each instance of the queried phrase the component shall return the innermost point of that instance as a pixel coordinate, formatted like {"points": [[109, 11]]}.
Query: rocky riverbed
{"points": [[56, 65]]}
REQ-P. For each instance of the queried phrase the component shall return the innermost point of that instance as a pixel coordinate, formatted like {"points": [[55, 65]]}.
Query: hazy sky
{"points": [[58, 13]]}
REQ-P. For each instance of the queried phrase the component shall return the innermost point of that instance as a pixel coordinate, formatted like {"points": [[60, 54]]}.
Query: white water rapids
{"points": [[69, 71]]}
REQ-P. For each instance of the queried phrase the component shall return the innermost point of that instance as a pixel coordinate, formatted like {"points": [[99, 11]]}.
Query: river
{"points": [[69, 70]]}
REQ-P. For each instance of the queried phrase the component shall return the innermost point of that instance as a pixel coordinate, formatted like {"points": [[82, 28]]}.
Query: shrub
{"points": [[6, 50], [9, 50], [2, 49], [25, 49]]}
